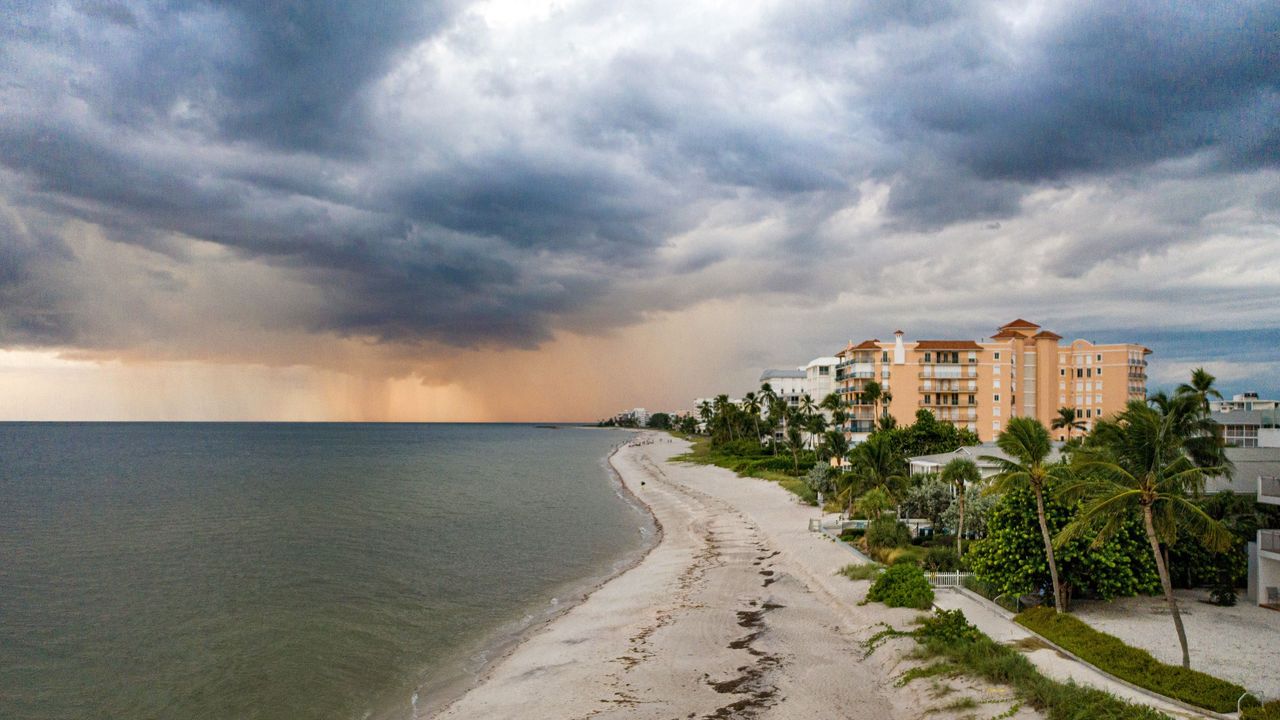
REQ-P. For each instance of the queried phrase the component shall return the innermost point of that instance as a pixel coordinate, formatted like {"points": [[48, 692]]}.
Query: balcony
{"points": [[1269, 541], [948, 386], [948, 372], [1269, 490], [963, 402], [861, 426]]}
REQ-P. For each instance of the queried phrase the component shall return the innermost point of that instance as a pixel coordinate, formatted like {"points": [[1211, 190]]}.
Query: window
{"points": [[1062, 400], [1098, 384], [1088, 372], [927, 398], [824, 370], [996, 355], [995, 425], [1098, 399], [1099, 371], [1088, 386], [1062, 371], [1062, 359], [884, 356], [973, 357], [1062, 385], [995, 411], [928, 357], [996, 383], [1079, 372], [1079, 413], [1079, 387], [995, 398], [1099, 358], [972, 400], [1088, 359]]}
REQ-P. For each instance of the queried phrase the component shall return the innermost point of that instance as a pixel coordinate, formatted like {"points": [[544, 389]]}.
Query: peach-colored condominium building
{"points": [[1020, 370]]}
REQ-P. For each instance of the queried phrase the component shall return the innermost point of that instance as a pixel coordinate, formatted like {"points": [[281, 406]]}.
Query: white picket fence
{"points": [[947, 579]]}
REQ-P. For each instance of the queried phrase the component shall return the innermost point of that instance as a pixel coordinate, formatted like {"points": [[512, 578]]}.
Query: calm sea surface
{"points": [[286, 571]]}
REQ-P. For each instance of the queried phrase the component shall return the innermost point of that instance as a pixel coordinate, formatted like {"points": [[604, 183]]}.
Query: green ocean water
{"points": [[289, 571]]}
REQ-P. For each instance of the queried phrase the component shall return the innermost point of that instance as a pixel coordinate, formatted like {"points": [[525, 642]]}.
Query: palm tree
{"points": [[751, 404], [1138, 465], [724, 413], [779, 415], [705, 412], [795, 443], [1067, 420], [871, 394], [877, 464], [1027, 441], [1201, 386], [1201, 437], [835, 444], [958, 473]]}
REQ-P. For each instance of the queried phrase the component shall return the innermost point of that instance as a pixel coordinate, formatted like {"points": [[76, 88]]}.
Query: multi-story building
{"points": [[789, 385], [820, 377], [1021, 370]]}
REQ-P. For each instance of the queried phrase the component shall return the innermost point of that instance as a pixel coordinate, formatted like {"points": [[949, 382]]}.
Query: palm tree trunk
{"points": [[1048, 551], [1166, 584], [960, 529]]}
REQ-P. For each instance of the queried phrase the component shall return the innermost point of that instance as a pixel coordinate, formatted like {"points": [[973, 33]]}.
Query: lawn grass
{"points": [[1132, 664], [948, 637]]}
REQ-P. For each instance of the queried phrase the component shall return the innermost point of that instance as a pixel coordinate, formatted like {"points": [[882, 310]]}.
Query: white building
{"points": [[789, 385], [1264, 570], [1250, 428], [820, 377], [1243, 401]]}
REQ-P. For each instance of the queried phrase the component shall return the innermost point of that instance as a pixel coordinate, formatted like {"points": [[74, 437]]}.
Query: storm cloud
{"points": [[487, 175]]}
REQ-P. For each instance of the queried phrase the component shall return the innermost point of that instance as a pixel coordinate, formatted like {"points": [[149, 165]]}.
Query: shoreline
{"points": [[500, 645], [737, 611]]}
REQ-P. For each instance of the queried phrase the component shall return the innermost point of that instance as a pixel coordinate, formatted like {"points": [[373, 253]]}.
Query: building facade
{"points": [[1250, 428], [1021, 370], [1244, 401]]}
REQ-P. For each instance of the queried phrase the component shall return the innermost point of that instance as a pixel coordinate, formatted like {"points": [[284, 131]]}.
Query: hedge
{"points": [[1270, 711], [1132, 664]]}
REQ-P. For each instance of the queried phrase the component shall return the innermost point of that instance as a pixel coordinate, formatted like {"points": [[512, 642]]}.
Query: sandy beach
{"points": [[737, 612]]}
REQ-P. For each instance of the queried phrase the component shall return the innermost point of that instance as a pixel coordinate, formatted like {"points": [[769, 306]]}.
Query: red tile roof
{"points": [[947, 345], [1020, 323], [1047, 334]]}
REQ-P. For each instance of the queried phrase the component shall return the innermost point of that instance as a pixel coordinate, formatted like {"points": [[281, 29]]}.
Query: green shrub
{"points": [[941, 559], [741, 448], [1132, 664], [902, 585], [887, 532], [947, 626], [1270, 711]]}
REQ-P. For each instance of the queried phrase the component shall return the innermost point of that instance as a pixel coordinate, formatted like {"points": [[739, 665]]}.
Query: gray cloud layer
{"points": [[441, 173]]}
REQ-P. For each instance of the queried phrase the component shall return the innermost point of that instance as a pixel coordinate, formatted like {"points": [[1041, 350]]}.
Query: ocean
{"points": [[326, 571]]}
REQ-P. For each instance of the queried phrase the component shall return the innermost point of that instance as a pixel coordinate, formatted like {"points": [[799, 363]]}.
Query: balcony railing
{"points": [[1269, 540], [943, 385], [1269, 486]]}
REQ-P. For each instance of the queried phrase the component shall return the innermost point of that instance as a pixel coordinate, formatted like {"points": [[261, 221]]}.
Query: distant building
{"points": [[789, 385], [637, 415], [1243, 401], [1251, 464], [1021, 370]]}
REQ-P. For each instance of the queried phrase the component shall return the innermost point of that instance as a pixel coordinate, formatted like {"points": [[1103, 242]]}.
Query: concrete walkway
{"points": [[998, 624]]}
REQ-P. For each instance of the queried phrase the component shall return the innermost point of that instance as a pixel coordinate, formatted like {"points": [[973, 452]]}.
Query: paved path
{"points": [[998, 624]]}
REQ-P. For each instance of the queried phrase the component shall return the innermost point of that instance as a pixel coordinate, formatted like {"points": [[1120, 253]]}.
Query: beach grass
{"points": [[955, 645]]}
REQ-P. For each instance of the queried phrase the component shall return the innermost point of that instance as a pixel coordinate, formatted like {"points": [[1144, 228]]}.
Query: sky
{"points": [[522, 210]]}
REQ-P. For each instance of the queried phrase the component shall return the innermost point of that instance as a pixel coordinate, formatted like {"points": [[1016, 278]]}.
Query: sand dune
{"points": [[736, 612]]}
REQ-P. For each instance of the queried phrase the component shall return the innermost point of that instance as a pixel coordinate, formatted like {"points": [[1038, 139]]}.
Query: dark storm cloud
{"points": [[482, 194]]}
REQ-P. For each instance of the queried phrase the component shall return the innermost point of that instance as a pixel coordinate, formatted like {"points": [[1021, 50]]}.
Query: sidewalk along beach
{"points": [[737, 612]]}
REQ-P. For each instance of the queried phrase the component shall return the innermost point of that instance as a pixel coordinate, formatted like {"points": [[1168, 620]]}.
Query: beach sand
{"points": [[737, 612]]}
